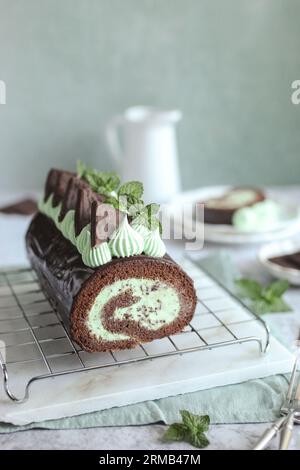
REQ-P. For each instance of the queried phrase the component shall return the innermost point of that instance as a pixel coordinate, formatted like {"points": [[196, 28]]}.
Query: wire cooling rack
{"points": [[35, 339]]}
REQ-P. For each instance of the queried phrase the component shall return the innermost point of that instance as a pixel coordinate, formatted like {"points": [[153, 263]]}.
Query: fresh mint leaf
{"points": [[153, 220], [152, 209], [279, 305], [130, 194], [160, 227], [265, 299], [91, 179], [260, 307], [190, 430], [132, 189], [176, 432], [203, 422], [198, 440], [81, 168], [141, 219], [148, 216], [192, 421], [249, 288], [275, 289], [135, 209], [102, 183]]}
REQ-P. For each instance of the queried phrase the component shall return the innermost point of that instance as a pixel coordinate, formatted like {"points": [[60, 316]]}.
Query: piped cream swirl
{"points": [[126, 241], [96, 256], [67, 226], [154, 246], [84, 239]]}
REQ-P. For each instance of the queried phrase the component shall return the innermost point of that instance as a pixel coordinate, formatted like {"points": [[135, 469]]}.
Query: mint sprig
{"points": [[264, 299], [148, 216], [126, 198], [191, 430], [104, 183], [133, 190]]}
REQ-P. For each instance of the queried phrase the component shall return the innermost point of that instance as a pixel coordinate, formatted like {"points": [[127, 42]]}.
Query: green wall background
{"points": [[228, 65]]}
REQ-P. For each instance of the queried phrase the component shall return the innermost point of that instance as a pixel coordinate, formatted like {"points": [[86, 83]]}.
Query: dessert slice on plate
{"points": [[221, 209]]}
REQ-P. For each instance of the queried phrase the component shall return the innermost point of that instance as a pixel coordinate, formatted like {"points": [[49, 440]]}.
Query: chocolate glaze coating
{"points": [[57, 262]]}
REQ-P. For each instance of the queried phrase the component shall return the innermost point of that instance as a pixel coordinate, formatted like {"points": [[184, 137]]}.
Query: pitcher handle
{"points": [[112, 138]]}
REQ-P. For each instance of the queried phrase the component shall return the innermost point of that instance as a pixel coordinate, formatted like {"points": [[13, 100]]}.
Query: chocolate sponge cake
{"points": [[220, 210], [116, 287]]}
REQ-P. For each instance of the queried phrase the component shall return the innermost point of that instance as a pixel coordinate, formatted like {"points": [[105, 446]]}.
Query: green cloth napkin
{"points": [[253, 401]]}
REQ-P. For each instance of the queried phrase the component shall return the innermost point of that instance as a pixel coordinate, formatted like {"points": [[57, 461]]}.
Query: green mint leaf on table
{"points": [[249, 288], [275, 290], [265, 299], [176, 432], [280, 305], [277, 305], [260, 307], [152, 209], [102, 183], [192, 421], [198, 440], [191, 430], [113, 201]]}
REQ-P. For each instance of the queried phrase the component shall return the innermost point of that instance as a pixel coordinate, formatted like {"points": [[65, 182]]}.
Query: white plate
{"points": [[279, 249], [288, 227]]}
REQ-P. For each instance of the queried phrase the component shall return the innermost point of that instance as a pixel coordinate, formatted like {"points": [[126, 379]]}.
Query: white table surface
{"points": [[233, 436]]}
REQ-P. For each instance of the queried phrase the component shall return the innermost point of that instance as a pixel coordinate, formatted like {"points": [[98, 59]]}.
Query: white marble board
{"points": [[135, 382]]}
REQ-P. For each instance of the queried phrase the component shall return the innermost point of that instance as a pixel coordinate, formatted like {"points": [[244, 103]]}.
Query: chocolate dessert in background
{"points": [[291, 260], [220, 210], [23, 207]]}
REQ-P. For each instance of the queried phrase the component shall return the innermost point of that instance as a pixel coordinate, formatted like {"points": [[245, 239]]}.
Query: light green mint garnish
{"points": [[84, 239], [96, 256], [154, 246], [143, 235]]}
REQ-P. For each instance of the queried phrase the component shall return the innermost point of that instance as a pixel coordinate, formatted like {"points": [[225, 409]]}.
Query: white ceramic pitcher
{"points": [[146, 150]]}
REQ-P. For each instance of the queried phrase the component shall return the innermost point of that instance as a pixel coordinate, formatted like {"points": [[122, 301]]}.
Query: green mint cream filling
{"points": [[157, 305]]}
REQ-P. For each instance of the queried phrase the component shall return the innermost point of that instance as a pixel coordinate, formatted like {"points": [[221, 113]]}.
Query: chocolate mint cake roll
{"points": [[104, 268]]}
